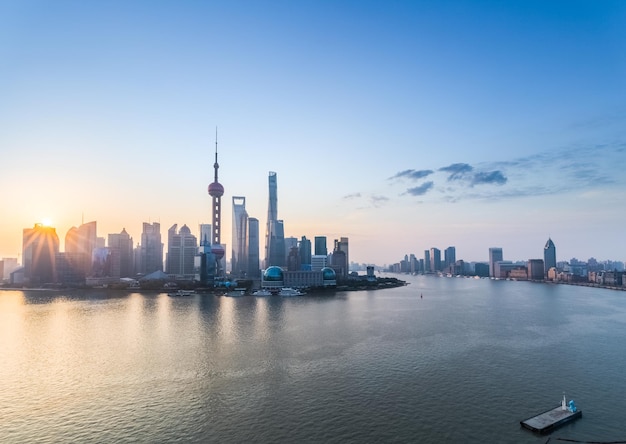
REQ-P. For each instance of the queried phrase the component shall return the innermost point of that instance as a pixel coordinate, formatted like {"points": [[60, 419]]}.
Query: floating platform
{"points": [[550, 420]]}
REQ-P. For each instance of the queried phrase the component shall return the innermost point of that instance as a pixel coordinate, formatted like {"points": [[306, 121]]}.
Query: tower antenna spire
{"points": [[216, 165]]}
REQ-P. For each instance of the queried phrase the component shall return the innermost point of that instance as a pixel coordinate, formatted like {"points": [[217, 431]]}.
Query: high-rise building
{"points": [[495, 255], [449, 257], [182, 247], [340, 257], [205, 231], [273, 239], [293, 259], [79, 246], [427, 265], [304, 249], [536, 269], [277, 244], [151, 250], [40, 246], [239, 256], [121, 246], [435, 259], [254, 260], [343, 246], [290, 243], [10, 265], [320, 246], [549, 256]]}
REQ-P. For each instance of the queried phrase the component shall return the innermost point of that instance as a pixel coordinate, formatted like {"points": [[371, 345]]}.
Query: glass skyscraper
{"points": [[239, 257], [274, 231], [549, 256]]}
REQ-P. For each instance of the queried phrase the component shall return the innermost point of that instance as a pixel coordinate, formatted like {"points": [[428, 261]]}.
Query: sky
{"points": [[402, 125]]}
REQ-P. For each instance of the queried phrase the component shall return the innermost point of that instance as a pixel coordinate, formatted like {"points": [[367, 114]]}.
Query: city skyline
{"points": [[401, 127]]}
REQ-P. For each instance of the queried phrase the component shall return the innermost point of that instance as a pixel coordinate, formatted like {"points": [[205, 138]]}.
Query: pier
{"points": [[552, 419]]}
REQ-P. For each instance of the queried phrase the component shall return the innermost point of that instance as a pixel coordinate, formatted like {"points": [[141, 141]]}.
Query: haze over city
{"points": [[402, 125]]}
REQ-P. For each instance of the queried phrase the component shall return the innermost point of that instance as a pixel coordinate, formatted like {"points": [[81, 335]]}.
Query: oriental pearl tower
{"points": [[216, 191]]}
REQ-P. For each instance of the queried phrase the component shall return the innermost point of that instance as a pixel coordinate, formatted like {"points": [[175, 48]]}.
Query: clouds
{"points": [[412, 174], [457, 171], [458, 174], [576, 168], [564, 170], [420, 190]]}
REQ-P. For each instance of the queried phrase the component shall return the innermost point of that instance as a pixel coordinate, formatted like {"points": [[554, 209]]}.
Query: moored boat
{"points": [[182, 293], [288, 291]]}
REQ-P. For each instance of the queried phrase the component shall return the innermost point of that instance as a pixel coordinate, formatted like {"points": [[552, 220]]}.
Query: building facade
{"points": [[549, 256], [254, 259], [182, 247], [239, 254], [40, 246], [151, 248], [495, 255], [121, 246]]}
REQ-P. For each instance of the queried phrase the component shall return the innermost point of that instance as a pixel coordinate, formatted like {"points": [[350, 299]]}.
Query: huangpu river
{"points": [[441, 360]]}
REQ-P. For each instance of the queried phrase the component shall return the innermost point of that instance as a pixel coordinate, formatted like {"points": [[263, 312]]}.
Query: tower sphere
{"points": [[216, 189], [217, 250]]}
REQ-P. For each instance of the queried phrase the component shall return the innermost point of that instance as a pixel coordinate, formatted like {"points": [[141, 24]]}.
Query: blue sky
{"points": [[402, 125]]}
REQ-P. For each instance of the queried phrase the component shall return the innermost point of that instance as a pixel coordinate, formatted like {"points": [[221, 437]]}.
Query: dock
{"points": [[551, 419]]}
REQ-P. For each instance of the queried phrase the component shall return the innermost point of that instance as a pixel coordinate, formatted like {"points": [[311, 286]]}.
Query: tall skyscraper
{"points": [[205, 234], [40, 246], [320, 246], [449, 255], [495, 255], [340, 257], [181, 250], [121, 246], [151, 248], [254, 264], [435, 259], [239, 256], [427, 264], [216, 191], [549, 256], [275, 230], [305, 253], [79, 246]]}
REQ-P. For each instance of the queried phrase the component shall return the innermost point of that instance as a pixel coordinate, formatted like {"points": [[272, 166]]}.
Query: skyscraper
{"points": [[305, 253], [495, 255], [549, 256], [320, 246], [435, 259], [121, 246], [181, 250], [274, 231], [340, 257], [40, 245], [449, 257], [254, 265], [79, 246], [427, 265], [151, 255], [239, 256]]}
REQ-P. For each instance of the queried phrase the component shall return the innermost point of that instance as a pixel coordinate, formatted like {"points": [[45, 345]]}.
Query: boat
{"points": [[182, 293], [235, 293], [262, 292], [288, 291]]}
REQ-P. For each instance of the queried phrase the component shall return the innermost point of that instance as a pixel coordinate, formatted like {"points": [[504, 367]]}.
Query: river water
{"points": [[441, 360]]}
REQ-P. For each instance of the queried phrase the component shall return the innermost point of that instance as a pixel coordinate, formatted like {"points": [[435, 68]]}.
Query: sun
{"points": [[46, 222]]}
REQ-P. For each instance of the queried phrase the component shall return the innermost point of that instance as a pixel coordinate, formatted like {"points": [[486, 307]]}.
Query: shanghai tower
{"points": [[274, 231]]}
